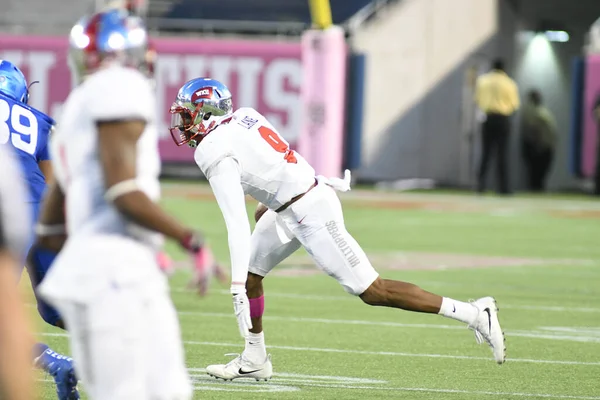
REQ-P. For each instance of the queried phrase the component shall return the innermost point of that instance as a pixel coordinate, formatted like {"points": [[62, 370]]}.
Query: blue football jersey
{"points": [[27, 130]]}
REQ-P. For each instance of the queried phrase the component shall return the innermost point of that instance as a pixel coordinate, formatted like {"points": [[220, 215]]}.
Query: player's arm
{"points": [[118, 156], [16, 380], [45, 165], [15, 341], [51, 235], [224, 179], [46, 168], [50, 228]]}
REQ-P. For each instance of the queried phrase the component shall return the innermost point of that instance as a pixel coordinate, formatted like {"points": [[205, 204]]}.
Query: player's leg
{"points": [[109, 345], [38, 263], [168, 378], [323, 233], [272, 242], [256, 296], [58, 366], [480, 315]]}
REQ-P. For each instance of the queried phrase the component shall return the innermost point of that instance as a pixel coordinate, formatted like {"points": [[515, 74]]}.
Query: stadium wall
{"points": [[415, 57], [420, 57]]}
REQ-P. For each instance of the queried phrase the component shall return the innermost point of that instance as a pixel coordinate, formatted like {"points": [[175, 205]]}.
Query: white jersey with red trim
{"points": [[112, 94], [270, 171]]}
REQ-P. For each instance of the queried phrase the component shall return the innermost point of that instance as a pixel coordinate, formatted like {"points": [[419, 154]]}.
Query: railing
{"points": [[25, 17], [226, 26], [365, 14]]}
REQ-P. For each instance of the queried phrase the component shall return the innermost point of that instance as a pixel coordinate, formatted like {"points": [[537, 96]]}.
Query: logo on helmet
{"points": [[204, 93]]}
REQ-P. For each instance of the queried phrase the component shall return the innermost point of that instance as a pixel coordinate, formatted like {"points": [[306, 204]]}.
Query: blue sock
{"points": [[48, 359]]}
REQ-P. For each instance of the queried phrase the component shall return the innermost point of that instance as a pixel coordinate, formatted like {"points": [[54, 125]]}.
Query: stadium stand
{"points": [[242, 16]]}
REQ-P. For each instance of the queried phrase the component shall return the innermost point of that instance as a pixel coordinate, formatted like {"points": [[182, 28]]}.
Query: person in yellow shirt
{"points": [[497, 96]]}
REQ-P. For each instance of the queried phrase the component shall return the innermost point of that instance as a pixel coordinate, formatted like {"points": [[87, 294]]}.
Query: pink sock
{"points": [[257, 307]]}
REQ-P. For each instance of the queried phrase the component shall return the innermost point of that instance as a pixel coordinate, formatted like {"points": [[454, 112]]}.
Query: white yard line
{"points": [[290, 382], [397, 354], [293, 377], [402, 197], [282, 380], [549, 336], [328, 321], [585, 335], [353, 299], [377, 353], [551, 308], [581, 335], [313, 297], [456, 391]]}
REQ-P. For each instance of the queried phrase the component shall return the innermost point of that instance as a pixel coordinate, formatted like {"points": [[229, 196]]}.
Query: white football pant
{"points": [[124, 332], [316, 222]]}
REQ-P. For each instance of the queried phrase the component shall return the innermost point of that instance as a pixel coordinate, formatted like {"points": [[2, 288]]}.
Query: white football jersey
{"points": [[270, 171], [112, 94]]}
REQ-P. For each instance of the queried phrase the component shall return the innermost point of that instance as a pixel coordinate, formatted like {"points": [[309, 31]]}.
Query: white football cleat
{"points": [[239, 367], [487, 327]]}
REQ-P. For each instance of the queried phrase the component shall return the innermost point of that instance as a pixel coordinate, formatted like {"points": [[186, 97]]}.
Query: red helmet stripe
{"points": [[91, 30]]}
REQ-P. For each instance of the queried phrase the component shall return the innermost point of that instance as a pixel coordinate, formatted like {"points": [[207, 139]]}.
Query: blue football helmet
{"points": [[12, 82], [197, 107], [110, 36]]}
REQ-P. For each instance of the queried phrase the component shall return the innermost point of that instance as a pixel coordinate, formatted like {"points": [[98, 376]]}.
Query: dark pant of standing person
{"points": [[495, 135], [537, 162]]}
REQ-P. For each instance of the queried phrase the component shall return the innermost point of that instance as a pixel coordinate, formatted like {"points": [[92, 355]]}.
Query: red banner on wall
{"points": [[260, 74]]}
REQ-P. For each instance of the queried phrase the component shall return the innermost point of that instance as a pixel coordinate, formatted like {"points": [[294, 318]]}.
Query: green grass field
{"points": [[540, 258]]}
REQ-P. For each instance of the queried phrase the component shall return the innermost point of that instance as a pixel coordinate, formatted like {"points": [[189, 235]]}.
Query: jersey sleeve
{"points": [[43, 153], [211, 151], [120, 94], [227, 188]]}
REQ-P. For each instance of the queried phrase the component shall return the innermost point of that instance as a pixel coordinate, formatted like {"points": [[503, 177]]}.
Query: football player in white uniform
{"points": [[241, 153], [106, 282]]}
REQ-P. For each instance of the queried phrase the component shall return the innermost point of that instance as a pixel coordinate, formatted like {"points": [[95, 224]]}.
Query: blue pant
{"points": [[38, 265]]}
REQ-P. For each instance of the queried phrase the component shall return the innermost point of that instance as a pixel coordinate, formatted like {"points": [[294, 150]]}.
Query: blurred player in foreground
{"points": [[16, 380], [106, 281], [241, 153], [27, 130], [204, 264]]}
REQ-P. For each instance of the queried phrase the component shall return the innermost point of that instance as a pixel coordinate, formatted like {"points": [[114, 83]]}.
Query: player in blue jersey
{"points": [[27, 130]]}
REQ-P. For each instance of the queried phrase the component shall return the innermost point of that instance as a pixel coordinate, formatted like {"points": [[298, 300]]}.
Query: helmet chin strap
{"points": [[193, 143], [200, 130]]}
